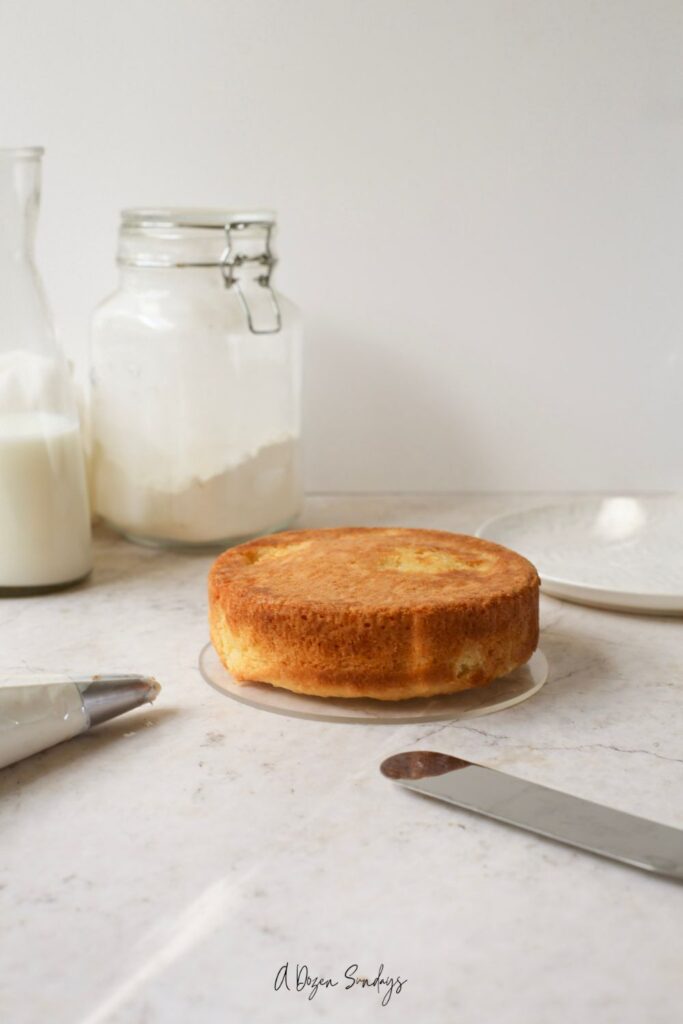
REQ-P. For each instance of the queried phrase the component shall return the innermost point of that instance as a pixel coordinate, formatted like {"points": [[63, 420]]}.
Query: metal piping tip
{"points": [[110, 696]]}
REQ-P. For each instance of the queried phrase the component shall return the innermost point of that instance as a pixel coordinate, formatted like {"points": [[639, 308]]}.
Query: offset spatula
{"points": [[602, 830]]}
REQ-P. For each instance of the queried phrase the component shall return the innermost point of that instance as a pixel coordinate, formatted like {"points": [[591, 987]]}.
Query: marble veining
{"points": [[163, 868]]}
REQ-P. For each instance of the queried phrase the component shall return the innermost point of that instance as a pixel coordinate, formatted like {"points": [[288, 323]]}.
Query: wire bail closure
{"points": [[230, 261]]}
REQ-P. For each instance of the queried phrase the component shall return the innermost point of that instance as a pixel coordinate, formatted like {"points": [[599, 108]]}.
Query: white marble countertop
{"points": [[164, 866]]}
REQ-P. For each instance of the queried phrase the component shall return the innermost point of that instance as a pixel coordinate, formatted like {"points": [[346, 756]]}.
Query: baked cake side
{"points": [[383, 613]]}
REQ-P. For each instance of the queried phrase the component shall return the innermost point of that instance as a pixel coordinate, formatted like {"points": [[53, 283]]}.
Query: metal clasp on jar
{"points": [[231, 261]]}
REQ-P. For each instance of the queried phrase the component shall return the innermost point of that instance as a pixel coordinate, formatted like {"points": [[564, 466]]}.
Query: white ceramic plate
{"points": [[503, 693], [619, 553]]}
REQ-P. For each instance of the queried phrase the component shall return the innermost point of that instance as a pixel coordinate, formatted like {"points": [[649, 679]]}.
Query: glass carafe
{"points": [[44, 514]]}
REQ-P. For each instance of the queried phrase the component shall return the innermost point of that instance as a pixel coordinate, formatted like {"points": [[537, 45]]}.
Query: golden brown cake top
{"points": [[372, 568]]}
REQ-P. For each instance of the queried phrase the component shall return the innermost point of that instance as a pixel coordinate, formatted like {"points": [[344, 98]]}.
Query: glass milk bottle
{"points": [[44, 514], [195, 382]]}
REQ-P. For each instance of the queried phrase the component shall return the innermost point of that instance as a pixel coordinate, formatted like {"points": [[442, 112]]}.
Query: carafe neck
{"points": [[20, 173]]}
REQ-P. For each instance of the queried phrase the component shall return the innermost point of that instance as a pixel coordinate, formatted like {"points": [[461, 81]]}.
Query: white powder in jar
{"points": [[258, 493], [194, 422]]}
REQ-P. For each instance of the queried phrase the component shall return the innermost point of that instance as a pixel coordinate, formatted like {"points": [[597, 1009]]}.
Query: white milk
{"points": [[44, 520]]}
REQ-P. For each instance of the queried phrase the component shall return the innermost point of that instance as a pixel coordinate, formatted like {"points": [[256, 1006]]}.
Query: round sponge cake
{"points": [[372, 612]]}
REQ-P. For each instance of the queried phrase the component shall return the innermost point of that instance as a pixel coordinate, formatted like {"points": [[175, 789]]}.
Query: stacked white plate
{"points": [[623, 553]]}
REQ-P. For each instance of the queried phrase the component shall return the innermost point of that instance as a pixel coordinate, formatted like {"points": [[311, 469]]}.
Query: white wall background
{"points": [[480, 210]]}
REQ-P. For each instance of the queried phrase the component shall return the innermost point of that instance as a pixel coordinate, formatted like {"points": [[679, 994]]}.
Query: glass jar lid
{"points": [[187, 237], [190, 217], [236, 242], [22, 152]]}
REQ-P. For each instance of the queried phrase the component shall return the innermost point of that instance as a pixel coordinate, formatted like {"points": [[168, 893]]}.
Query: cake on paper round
{"points": [[387, 613]]}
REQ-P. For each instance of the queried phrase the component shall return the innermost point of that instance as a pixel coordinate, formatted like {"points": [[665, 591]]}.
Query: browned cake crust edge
{"points": [[389, 651]]}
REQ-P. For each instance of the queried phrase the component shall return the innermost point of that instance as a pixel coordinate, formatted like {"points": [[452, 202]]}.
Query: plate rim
{"points": [[610, 595]]}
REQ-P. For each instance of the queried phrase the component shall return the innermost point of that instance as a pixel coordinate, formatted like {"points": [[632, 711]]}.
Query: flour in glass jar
{"points": [[256, 493]]}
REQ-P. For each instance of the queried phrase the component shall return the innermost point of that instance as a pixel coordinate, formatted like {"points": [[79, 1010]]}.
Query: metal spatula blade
{"points": [[548, 812]]}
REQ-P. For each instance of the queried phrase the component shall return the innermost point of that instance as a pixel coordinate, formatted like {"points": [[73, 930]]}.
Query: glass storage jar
{"points": [[195, 382]]}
